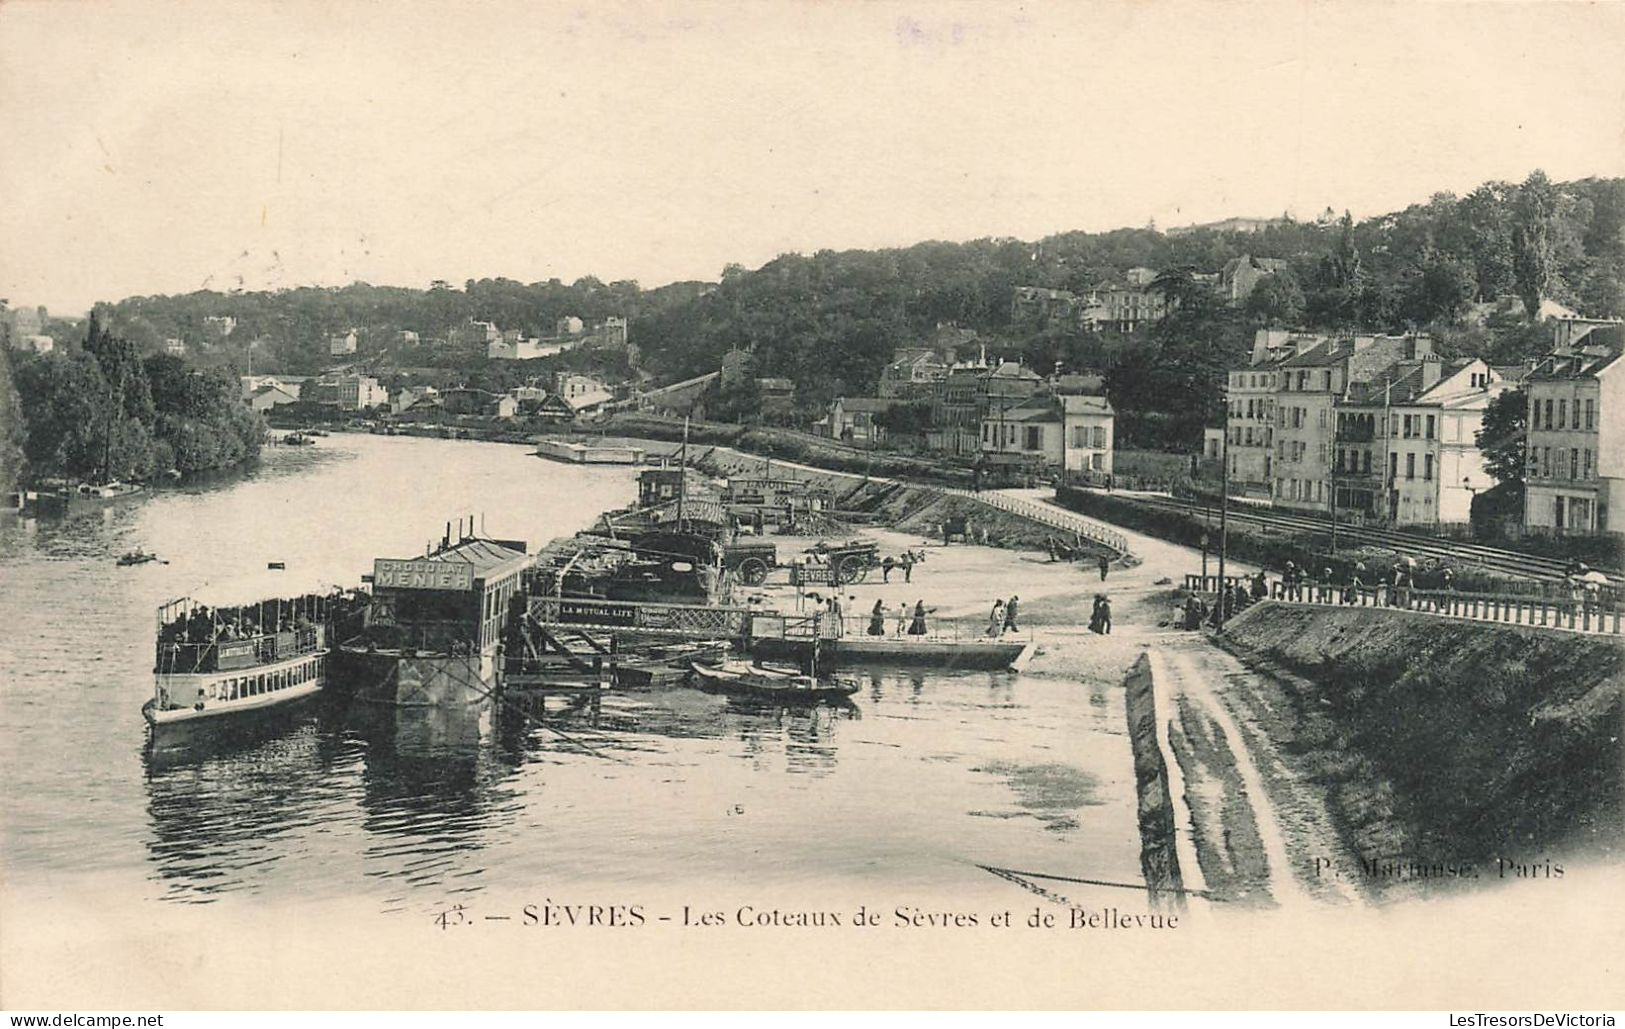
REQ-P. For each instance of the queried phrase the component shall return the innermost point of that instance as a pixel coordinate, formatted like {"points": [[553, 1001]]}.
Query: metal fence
{"points": [[677, 619], [1581, 614]]}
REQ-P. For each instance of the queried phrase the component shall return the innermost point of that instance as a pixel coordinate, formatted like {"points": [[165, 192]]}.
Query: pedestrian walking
{"points": [[1105, 615], [1105, 566], [995, 619], [908, 563], [916, 627], [902, 618], [1010, 610], [877, 618]]}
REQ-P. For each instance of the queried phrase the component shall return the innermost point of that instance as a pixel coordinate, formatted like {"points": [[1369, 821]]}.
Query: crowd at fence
{"points": [[1587, 608]]}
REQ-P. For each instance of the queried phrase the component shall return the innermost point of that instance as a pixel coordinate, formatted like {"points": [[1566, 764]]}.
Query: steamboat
{"points": [[215, 665]]}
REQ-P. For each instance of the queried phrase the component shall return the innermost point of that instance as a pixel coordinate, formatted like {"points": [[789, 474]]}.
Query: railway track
{"points": [[1409, 543]]}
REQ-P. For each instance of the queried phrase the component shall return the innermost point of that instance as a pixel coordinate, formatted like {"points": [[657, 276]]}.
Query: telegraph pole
{"points": [[1224, 512]]}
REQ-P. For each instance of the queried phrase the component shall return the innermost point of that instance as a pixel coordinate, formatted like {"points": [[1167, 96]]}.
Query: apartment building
{"points": [[1309, 387], [1575, 449], [1406, 447]]}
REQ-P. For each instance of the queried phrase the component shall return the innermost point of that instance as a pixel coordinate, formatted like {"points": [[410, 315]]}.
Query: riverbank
{"points": [[1445, 742]]}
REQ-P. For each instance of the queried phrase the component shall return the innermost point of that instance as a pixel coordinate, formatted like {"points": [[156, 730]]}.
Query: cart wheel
{"points": [[850, 569], [752, 571]]}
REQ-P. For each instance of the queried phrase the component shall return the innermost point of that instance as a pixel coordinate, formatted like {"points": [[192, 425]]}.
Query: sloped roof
{"points": [[485, 555], [1587, 360], [1085, 404], [1396, 384], [873, 405], [1321, 355], [1011, 370]]}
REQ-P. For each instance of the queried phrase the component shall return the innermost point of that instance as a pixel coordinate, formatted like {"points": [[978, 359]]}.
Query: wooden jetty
{"points": [[775, 635]]}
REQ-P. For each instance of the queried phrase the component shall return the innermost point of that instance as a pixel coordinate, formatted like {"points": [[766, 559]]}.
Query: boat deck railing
{"points": [[176, 657]]}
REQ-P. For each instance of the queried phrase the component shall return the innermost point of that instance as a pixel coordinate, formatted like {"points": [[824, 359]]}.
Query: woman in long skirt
{"points": [[877, 619], [917, 626], [995, 619]]}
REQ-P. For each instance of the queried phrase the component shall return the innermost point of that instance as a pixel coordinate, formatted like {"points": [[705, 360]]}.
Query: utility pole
{"points": [[1224, 512], [1331, 470], [682, 475]]}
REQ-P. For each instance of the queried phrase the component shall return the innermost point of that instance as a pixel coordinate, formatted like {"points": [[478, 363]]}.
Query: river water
{"points": [[926, 777]]}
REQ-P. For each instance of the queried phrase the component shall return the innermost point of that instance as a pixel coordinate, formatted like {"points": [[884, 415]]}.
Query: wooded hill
{"points": [[830, 320]]}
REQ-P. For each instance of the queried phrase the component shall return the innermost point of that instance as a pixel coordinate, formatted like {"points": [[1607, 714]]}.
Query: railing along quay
{"points": [[1574, 615], [1055, 518], [1416, 544]]}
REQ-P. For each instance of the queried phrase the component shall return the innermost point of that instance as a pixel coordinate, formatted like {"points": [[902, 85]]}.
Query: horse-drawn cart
{"points": [[838, 563], [750, 562]]}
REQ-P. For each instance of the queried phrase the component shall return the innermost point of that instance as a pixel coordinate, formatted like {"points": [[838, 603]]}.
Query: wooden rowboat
{"points": [[741, 679]]}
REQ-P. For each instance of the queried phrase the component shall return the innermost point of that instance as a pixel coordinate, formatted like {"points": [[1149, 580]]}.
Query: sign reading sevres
{"points": [[422, 575]]}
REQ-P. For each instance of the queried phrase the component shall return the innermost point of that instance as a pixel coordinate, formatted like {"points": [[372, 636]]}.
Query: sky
{"points": [[152, 147]]}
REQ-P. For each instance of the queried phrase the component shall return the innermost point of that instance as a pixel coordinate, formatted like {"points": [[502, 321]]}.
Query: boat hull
{"points": [[764, 688], [414, 680], [898, 650], [206, 698]]}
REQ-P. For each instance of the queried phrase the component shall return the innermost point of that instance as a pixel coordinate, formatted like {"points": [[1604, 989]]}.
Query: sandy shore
{"points": [[1256, 822]]}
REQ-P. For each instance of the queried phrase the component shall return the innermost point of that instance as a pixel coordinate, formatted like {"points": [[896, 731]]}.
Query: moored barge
{"points": [[434, 628]]}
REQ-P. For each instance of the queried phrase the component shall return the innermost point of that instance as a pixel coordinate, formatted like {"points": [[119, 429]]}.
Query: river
{"points": [[928, 776]]}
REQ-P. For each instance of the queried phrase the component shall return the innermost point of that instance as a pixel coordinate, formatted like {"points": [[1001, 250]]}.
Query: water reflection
{"points": [[404, 806]]}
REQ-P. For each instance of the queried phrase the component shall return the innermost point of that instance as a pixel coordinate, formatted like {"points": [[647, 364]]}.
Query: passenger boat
{"points": [[742, 679], [216, 663]]}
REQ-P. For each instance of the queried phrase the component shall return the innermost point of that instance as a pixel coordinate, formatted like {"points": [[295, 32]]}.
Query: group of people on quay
{"points": [[1407, 583], [1002, 618], [909, 621]]}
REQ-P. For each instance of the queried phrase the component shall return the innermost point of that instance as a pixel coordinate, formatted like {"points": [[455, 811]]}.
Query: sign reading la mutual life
{"points": [[421, 574]]}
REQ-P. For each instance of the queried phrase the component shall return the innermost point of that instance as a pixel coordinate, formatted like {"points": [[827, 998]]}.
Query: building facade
{"points": [[1575, 443], [1310, 385], [1070, 433]]}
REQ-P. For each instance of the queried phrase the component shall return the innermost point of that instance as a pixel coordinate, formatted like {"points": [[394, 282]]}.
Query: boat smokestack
{"points": [[445, 541]]}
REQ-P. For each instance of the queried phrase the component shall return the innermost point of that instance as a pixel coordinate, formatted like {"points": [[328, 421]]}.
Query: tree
{"points": [[1534, 209], [1334, 299], [1177, 285], [1276, 300], [1440, 290], [1501, 436], [13, 430]]}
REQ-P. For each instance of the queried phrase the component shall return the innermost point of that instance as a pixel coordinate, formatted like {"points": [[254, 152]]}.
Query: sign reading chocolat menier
{"points": [[421, 574]]}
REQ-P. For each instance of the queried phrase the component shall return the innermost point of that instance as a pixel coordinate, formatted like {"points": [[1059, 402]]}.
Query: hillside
{"points": [[830, 320]]}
